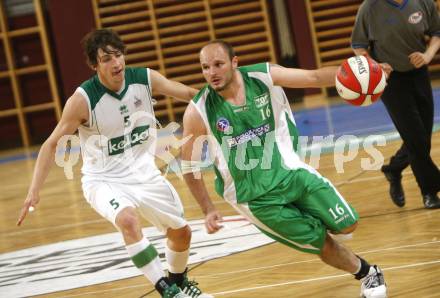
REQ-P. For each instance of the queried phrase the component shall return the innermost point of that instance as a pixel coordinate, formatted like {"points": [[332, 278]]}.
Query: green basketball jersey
{"points": [[115, 143], [254, 144]]}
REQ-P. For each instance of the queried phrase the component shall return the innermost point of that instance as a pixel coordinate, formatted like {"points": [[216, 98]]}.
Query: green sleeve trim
{"points": [[145, 257], [200, 94], [137, 75], [94, 91], [260, 67]]}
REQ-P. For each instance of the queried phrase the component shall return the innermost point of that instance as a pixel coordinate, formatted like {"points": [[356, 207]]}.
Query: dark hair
{"points": [[101, 39], [226, 45]]}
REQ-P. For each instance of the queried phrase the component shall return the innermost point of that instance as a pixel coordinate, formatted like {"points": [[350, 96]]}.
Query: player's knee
{"points": [[350, 229], [128, 222], [182, 235]]}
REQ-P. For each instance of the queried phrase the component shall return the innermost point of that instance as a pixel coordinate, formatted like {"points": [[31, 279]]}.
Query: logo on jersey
{"points": [[123, 109], [222, 124], [137, 102], [241, 109], [261, 100], [415, 18], [120, 144], [248, 135]]}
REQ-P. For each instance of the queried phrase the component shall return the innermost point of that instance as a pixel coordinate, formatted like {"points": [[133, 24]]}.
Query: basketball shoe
{"points": [[373, 285], [174, 291], [189, 288]]}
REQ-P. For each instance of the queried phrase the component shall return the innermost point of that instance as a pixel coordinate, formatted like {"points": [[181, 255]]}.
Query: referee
{"points": [[393, 33]]}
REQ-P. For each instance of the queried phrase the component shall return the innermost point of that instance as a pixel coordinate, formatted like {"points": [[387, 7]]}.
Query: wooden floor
{"points": [[405, 242]]}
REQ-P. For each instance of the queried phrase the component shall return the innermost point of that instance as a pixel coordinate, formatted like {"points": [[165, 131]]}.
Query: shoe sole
{"points": [[382, 294]]}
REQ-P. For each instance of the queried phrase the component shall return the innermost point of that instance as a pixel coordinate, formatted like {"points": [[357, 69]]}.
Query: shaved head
{"points": [[224, 44]]}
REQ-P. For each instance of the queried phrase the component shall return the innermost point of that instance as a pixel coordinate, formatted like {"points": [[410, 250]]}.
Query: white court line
{"points": [[53, 227], [279, 265], [356, 180], [271, 285], [319, 279], [105, 291], [318, 260]]}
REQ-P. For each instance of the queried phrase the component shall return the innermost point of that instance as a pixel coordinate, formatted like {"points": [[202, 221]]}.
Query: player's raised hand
{"points": [[28, 206], [212, 220]]}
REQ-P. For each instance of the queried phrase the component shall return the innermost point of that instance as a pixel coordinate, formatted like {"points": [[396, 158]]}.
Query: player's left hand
{"points": [[29, 204], [212, 220], [419, 59]]}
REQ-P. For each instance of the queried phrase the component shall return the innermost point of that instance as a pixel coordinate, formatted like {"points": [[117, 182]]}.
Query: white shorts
{"points": [[157, 202]]}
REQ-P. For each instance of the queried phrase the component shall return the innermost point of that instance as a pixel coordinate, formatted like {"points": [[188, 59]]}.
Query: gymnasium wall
{"points": [[41, 63]]}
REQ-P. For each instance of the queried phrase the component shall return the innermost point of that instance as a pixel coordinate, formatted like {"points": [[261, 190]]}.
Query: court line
{"points": [[356, 180], [65, 226], [286, 283], [103, 291], [318, 260], [320, 278]]}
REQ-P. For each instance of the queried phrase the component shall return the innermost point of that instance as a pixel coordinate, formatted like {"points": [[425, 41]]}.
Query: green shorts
{"points": [[300, 211]]}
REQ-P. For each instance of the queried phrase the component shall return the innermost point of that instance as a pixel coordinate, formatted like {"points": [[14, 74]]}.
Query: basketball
{"points": [[360, 80]]}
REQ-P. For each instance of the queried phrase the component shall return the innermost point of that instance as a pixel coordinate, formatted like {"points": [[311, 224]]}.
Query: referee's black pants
{"points": [[409, 101]]}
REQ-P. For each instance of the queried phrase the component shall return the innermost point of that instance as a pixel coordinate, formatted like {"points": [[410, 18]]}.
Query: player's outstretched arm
{"points": [[194, 129], [162, 85], [75, 112], [303, 78]]}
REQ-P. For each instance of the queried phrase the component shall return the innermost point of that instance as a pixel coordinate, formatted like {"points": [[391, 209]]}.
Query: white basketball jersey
{"points": [[118, 142]]}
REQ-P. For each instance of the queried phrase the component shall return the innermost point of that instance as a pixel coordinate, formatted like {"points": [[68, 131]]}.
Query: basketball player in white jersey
{"points": [[113, 113]]}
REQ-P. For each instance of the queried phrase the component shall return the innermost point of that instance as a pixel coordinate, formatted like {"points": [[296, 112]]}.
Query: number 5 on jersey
{"points": [[114, 203]]}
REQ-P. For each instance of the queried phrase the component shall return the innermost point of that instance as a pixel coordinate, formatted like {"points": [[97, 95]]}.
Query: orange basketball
{"points": [[360, 80]]}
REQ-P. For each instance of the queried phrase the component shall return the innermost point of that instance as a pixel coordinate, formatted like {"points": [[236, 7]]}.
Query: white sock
{"points": [[358, 266], [144, 256], [177, 261], [342, 237]]}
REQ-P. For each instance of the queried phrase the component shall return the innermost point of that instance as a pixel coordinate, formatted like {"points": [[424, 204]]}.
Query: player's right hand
{"points": [[212, 220], [31, 201]]}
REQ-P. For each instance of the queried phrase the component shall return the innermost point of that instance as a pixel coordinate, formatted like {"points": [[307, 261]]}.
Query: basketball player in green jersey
{"points": [[113, 113], [246, 119]]}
